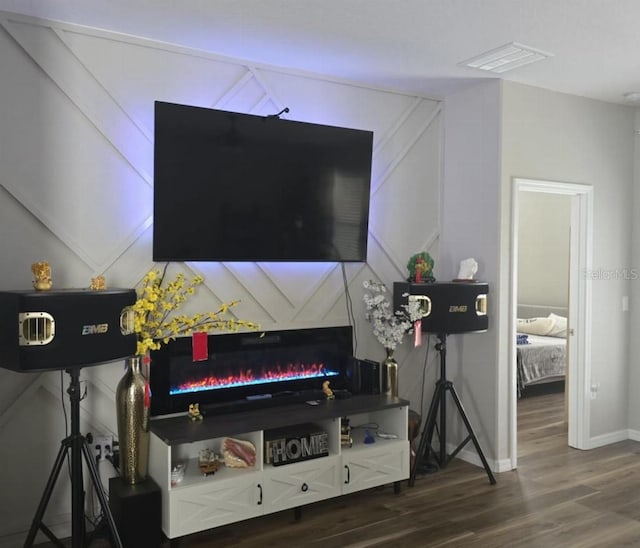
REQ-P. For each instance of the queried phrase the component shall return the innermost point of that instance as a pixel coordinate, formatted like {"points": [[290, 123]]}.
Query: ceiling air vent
{"points": [[507, 57]]}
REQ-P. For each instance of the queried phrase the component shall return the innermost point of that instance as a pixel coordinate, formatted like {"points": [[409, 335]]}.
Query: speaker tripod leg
{"points": [[472, 435], [424, 447], [77, 444], [78, 528], [44, 501], [97, 484]]}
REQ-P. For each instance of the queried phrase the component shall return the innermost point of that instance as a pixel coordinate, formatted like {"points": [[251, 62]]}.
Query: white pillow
{"points": [[559, 328], [535, 326]]}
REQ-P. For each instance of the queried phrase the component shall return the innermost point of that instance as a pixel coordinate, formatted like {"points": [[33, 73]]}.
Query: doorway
{"points": [[579, 309]]}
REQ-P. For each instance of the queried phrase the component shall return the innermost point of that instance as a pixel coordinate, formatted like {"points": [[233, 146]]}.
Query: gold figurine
{"points": [[98, 283], [42, 276], [327, 391], [194, 412]]}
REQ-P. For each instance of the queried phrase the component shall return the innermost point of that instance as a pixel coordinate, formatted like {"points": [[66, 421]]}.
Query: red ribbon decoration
{"points": [[147, 395], [200, 346]]}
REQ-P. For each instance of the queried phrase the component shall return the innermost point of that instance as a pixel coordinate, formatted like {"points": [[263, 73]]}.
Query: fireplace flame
{"points": [[246, 377]]}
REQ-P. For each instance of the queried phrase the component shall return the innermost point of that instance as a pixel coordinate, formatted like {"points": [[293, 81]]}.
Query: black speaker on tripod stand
{"points": [[456, 307], [67, 330]]}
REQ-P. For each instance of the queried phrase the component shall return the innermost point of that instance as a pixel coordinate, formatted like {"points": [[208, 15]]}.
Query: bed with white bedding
{"points": [[541, 346]]}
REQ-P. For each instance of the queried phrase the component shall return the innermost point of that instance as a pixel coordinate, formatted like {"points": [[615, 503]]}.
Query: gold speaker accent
{"points": [[481, 305], [425, 303], [35, 328], [127, 321], [42, 276]]}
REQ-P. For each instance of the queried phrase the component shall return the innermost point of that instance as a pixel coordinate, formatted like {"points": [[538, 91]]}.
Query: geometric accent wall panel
{"points": [[82, 164], [76, 177], [100, 92]]}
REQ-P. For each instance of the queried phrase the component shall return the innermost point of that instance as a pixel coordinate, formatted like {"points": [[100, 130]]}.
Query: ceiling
{"points": [[410, 45]]}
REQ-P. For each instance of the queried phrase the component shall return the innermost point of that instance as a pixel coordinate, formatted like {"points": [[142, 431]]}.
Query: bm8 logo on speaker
{"points": [[95, 329]]}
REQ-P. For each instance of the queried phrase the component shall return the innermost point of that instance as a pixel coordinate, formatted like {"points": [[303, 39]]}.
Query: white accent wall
{"points": [[76, 189]]}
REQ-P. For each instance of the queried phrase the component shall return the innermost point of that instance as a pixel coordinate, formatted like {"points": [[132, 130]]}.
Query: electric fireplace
{"points": [[244, 370]]}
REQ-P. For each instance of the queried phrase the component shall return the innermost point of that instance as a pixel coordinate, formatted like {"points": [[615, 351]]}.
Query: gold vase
{"points": [[390, 374], [132, 411]]}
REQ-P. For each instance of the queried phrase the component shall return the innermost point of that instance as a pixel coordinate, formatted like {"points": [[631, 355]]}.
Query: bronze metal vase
{"points": [[390, 375], [132, 411]]}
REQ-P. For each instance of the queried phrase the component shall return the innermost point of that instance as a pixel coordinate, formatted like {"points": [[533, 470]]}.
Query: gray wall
{"points": [[495, 132], [471, 228], [557, 137], [76, 178], [544, 225], [633, 416]]}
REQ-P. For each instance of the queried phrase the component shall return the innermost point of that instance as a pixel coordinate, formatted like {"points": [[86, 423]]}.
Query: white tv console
{"points": [[198, 503]]}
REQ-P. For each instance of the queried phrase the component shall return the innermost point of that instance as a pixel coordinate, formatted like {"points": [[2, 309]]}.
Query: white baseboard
{"points": [[608, 439], [469, 454], [634, 435], [61, 529], [502, 465]]}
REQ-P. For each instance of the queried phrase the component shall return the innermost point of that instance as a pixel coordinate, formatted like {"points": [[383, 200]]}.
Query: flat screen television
{"points": [[240, 187]]}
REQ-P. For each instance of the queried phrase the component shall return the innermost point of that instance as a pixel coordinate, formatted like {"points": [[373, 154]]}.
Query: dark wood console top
{"points": [[175, 430]]}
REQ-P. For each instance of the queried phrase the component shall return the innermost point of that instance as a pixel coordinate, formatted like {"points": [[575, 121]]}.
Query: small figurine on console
{"points": [[327, 391], [98, 283], [208, 462], [42, 274], [194, 412], [420, 267], [468, 269]]}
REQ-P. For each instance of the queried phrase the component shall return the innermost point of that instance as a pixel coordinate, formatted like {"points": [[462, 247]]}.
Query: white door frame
{"points": [[579, 327]]}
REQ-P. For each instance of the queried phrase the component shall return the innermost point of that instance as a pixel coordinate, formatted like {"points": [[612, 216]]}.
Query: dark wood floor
{"points": [[558, 497]]}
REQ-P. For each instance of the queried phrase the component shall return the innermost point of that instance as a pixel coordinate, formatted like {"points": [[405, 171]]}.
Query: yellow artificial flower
{"points": [[152, 310]]}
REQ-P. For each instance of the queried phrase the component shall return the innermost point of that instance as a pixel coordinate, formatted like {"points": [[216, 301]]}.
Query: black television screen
{"points": [[241, 187]]}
